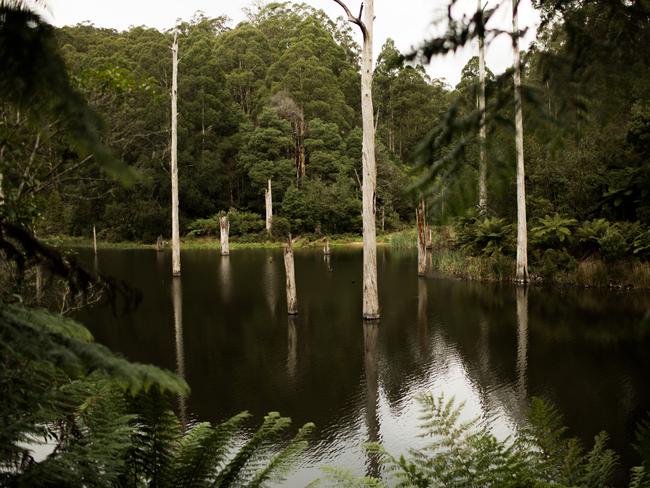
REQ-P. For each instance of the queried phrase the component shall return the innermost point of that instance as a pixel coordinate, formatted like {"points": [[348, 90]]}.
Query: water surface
{"points": [[223, 326]]}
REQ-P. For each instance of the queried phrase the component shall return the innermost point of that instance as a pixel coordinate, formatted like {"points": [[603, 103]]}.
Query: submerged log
{"points": [[422, 246], [292, 300], [225, 230]]}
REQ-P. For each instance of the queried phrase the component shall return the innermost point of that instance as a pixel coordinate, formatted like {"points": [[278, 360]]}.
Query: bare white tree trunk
{"points": [[482, 168], [429, 236], [369, 184], [522, 230], [268, 199], [95, 240], [326, 248], [422, 240], [176, 240], [224, 226], [292, 300]]}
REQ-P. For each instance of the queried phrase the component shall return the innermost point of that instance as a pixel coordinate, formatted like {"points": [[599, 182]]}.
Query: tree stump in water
{"points": [[292, 300], [160, 244], [225, 229], [422, 247], [326, 249]]}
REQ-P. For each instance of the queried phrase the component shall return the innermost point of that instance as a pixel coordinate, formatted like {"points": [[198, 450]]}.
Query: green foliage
{"points": [[241, 223], [553, 232], [280, 227], [490, 236], [467, 454]]}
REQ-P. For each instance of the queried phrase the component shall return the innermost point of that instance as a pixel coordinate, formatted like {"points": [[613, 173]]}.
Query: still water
{"points": [[223, 326]]}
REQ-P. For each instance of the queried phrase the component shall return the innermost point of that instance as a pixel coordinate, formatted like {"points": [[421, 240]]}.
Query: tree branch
{"points": [[353, 19]]}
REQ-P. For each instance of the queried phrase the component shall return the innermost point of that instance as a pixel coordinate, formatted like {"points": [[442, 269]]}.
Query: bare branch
{"points": [[353, 19]]}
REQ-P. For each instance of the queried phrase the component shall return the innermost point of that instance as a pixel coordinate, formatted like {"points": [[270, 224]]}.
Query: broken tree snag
{"points": [[289, 270], [326, 248], [268, 200], [160, 244], [176, 240], [95, 240], [225, 229], [369, 172], [422, 245]]}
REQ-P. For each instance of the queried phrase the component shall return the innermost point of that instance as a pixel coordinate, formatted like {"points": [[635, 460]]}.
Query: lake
{"points": [[223, 326]]}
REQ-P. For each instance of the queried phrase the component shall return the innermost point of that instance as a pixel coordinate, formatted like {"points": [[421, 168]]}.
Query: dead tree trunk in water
{"points": [[176, 240], [268, 200], [369, 184], [522, 230], [326, 248], [482, 166], [422, 240], [292, 300], [225, 230]]}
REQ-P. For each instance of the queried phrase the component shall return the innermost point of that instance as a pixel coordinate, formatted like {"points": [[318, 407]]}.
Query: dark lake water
{"points": [[223, 326]]}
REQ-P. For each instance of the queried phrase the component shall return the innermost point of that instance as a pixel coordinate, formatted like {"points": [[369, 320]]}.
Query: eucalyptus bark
{"points": [[369, 184], [289, 270], [422, 240], [224, 227], [522, 231], [482, 168], [268, 200], [176, 240]]}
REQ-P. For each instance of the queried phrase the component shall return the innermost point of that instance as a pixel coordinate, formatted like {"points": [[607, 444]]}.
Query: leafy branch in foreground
{"points": [[104, 421], [467, 454]]}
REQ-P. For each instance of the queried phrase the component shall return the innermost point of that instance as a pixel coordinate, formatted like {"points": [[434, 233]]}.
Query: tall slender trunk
{"points": [[422, 239], [176, 240], [482, 169], [522, 231], [268, 200], [369, 184], [370, 289]]}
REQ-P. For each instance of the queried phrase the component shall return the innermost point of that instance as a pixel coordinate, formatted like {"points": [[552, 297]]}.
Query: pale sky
{"points": [[406, 21]]}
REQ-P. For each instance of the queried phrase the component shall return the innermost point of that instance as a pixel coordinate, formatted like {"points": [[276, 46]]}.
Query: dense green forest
{"points": [[277, 97]]}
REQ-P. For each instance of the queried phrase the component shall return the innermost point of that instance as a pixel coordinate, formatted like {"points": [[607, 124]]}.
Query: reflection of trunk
{"points": [[226, 278], [522, 344], [95, 240], [292, 300], [423, 328], [522, 231], [370, 334], [177, 302], [268, 200], [176, 240], [422, 240], [224, 231], [270, 285], [292, 348]]}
